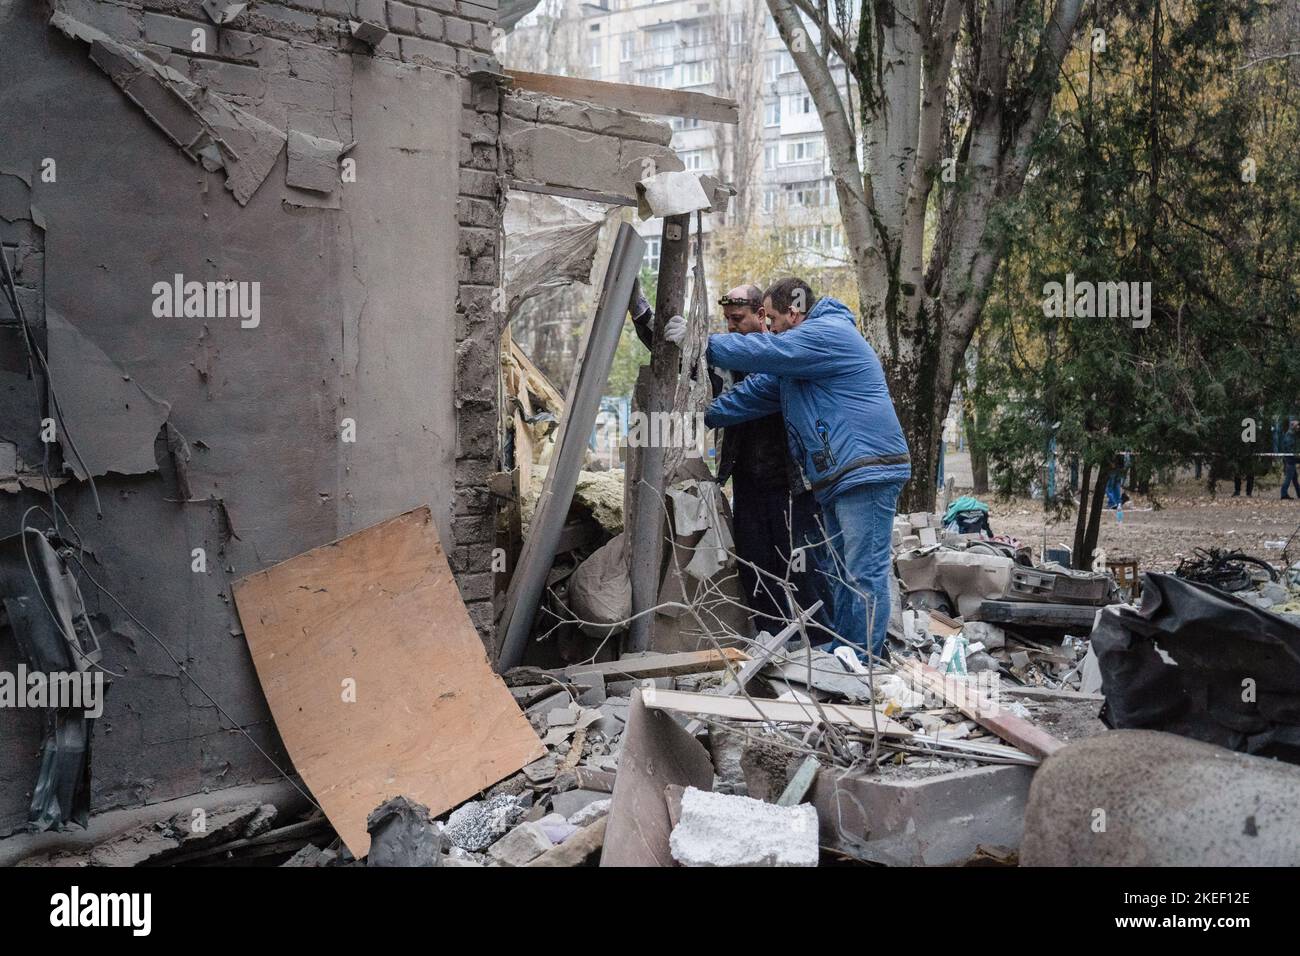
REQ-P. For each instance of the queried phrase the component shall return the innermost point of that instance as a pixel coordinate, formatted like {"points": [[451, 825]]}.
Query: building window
{"points": [[770, 200], [652, 253], [771, 68], [626, 47], [694, 159], [696, 74], [770, 154], [802, 150], [660, 78], [738, 32], [593, 54], [786, 63], [681, 123], [661, 39], [770, 28], [772, 113]]}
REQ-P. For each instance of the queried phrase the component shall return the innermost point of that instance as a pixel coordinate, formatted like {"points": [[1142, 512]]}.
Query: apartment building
{"points": [[777, 155]]}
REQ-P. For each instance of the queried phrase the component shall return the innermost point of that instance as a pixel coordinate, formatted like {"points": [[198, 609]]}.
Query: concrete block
{"points": [[718, 829], [401, 17], [456, 31], [521, 845], [932, 821], [1145, 798], [571, 801], [594, 119], [427, 52], [591, 812]]}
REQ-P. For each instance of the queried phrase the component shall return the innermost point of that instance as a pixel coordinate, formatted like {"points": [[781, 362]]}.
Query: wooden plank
{"points": [[571, 192], [376, 617], [736, 683], [781, 711], [628, 96], [664, 665], [656, 752], [1014, 730]]}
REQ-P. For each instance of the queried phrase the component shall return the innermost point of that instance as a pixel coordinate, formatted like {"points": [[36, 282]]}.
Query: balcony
{"points": [[653, 58]]}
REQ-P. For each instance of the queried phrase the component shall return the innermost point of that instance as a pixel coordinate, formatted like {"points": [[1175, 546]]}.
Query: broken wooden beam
{"points": [[628, 96], [1016, 731], [781, 711], [663, 665], [655, 395]]}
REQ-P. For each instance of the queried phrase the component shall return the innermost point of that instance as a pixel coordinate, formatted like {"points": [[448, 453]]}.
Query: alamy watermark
{"points": [[63, 690], [179, 299], [1098, 300], [667, 430]]}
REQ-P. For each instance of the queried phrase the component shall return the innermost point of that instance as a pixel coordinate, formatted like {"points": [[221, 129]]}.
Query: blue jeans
{"points": [[860, 523]]}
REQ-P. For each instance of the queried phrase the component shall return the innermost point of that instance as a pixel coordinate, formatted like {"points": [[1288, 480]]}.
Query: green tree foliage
{"points": [[1170, 158]]}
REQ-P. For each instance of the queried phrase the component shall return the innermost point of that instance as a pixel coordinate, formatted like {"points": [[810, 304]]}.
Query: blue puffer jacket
{"points": [[827, 382]]}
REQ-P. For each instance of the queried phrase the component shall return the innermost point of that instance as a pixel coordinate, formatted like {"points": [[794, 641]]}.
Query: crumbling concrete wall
{"points": [[223, 158], [582, 147]]}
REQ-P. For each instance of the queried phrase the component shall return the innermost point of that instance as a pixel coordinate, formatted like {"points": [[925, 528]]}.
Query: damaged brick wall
{"points": [[219, 158]]}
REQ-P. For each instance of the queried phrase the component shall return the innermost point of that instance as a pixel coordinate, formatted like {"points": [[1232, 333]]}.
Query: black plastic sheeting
{"points": [[1235, 676], [49, 623]]}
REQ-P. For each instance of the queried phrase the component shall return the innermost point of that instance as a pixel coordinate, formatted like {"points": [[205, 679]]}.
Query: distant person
{"points": [[842, 432], [770, 505], [1290, 439]]}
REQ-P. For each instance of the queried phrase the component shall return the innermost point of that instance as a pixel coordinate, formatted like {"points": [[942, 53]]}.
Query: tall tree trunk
{"points": [[920, 314], [1081, 560], [1094, 517]]}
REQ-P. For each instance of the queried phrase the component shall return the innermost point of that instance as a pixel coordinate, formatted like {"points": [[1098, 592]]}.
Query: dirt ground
{"points": [[1158, 533]]}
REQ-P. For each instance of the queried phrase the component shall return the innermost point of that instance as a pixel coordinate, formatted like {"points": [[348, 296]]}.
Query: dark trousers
{"points": [[766, 521], [1250, 485], [1289, 476]]}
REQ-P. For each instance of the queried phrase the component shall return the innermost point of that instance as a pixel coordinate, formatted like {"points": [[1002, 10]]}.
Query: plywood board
{"points": [[379, 611]]}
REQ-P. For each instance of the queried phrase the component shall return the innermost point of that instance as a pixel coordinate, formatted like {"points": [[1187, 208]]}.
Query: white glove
{"points": [[675, 329]]}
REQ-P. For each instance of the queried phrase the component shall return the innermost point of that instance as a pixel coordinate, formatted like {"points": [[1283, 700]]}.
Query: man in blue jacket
{"points": [[843, 433]]}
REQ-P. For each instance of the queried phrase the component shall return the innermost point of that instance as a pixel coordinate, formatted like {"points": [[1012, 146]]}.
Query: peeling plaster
{"points": [[205, 125]]}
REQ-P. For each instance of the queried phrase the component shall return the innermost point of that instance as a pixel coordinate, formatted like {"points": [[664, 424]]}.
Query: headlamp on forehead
{"points": [[738, 300]]}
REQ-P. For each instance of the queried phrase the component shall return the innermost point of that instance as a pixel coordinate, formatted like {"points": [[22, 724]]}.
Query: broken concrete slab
{"points": [[571, 801], [521, 845], [718, 829], [578, 849], [1146, 798], [933, 821], [591, 812], [656, 752]]}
